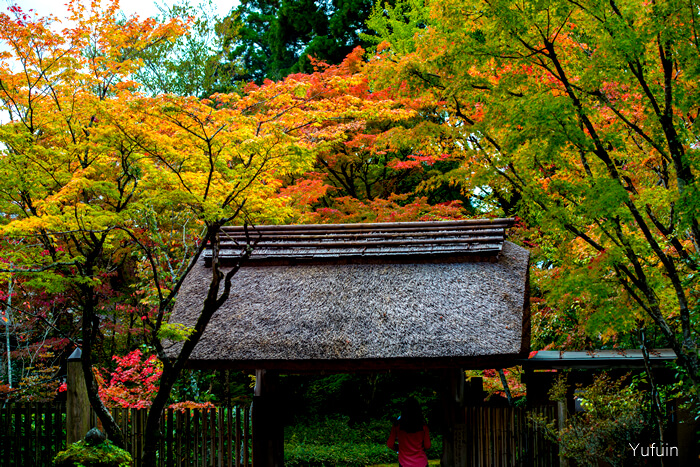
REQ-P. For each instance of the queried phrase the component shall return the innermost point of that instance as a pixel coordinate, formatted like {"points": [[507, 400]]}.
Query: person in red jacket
{"points": [[409, 436]]}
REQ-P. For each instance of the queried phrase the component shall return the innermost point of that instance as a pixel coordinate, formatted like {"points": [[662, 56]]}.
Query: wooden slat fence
{"points": [[31, 434], [502, 437], [219, 437]]}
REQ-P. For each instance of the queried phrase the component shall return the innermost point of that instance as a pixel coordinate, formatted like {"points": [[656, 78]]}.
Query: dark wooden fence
{"points": [[218, 437], [31, 435], [502, 437]]}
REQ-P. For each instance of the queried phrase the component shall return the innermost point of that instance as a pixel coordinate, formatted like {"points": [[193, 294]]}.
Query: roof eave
{"points": [[361, 365]]}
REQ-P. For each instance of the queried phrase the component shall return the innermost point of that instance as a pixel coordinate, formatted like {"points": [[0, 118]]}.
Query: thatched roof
{"points": [[432, 308]]}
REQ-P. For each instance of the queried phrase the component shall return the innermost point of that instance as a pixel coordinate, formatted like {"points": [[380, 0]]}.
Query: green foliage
{"points": [[334, 428], [397, 24], [104, 454], [339, 419], [577, 118], [186, 65], [682, 391], [218, 387], [614, 417], [361, 398], [175, 332]]}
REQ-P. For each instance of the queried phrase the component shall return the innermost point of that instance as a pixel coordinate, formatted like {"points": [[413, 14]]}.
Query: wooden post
{"points": [[684, 434], [454, 435], [77, 403], [268, 428], [562, 415]]}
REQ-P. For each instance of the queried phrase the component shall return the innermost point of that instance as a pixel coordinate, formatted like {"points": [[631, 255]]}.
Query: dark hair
{"points": [[411, 416]]}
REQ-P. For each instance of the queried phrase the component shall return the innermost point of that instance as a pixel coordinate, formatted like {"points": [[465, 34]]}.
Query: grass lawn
{"points": [[433, 462]]}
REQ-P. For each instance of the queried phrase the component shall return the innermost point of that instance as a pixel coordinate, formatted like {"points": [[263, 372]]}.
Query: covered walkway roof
{"points": [[556, 359]]}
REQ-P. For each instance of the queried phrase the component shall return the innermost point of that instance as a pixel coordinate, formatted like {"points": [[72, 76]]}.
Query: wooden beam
{"points": [[454, 449], [415, 256]]}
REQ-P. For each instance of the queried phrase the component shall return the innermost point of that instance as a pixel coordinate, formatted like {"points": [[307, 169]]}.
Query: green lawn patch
{"points": [[332, 442]]}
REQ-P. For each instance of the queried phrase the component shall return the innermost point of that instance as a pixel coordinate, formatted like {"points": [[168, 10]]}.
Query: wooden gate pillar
{"points": [[77, 403], [453, 437], [268, 421]]}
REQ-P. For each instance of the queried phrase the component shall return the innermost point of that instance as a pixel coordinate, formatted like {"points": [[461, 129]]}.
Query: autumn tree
{"points": [[93, 170], [369, 175], [68, 183], [35, 331], [376, 170], [580, 115]]}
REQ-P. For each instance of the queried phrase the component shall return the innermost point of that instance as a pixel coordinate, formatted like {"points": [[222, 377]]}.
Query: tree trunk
{"points": [[91, 325], [171, 371], [8, 309]]}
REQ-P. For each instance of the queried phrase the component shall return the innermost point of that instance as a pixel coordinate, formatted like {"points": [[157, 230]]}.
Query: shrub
{"points": [[104, 454], [613, 418]]}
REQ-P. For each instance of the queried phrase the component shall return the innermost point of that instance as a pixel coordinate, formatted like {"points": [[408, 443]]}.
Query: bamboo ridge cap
{"points": [[387, 241], [367, 226]]}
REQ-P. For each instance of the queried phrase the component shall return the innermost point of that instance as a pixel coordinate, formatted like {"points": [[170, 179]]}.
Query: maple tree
{"points": [[35, 334], [65, 189], [133, 383], [580, 117], [101, 177], [374, 173], [379, 169]]}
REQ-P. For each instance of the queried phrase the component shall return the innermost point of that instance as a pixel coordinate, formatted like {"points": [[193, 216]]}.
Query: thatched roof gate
{"points": [[349, 297]]}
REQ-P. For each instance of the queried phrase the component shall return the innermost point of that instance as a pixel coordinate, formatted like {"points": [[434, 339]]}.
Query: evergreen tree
{"points": [[270, 39]]}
